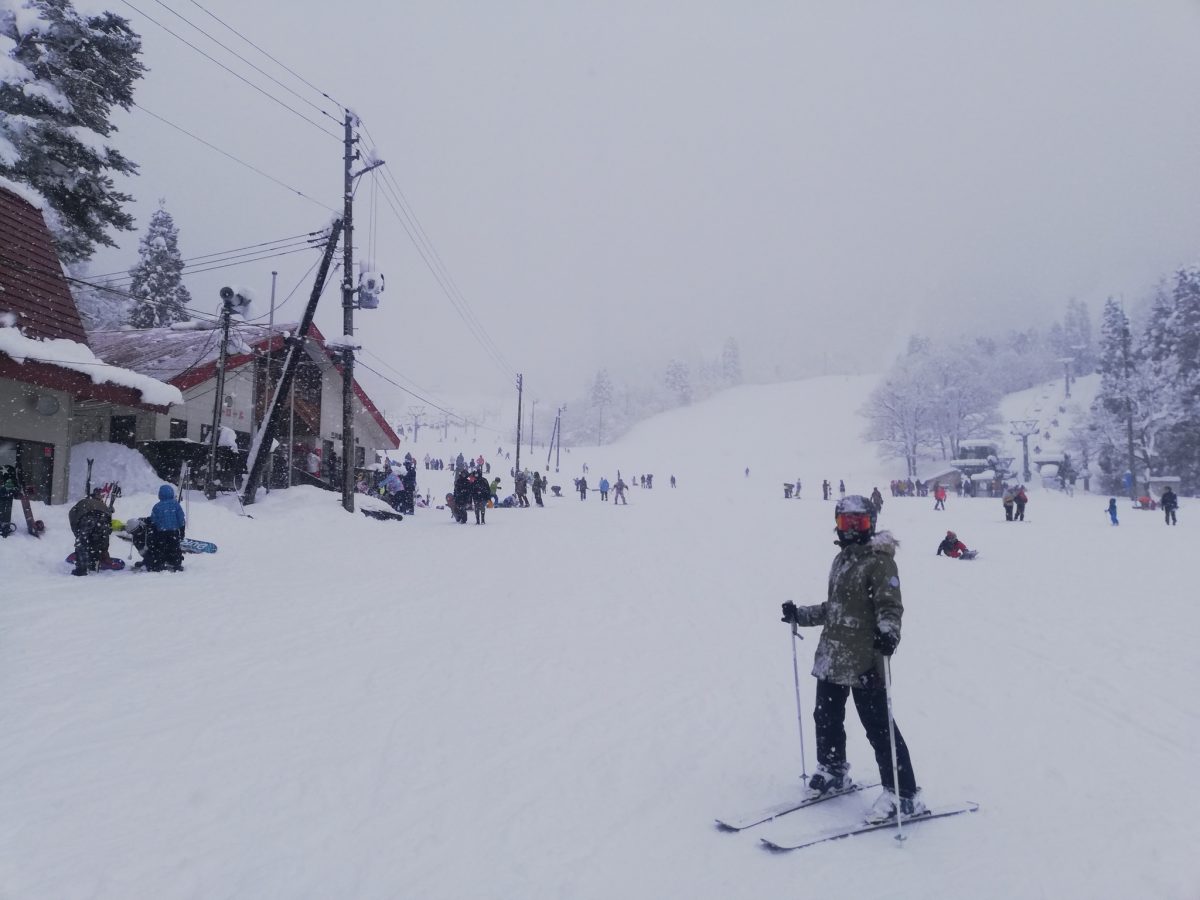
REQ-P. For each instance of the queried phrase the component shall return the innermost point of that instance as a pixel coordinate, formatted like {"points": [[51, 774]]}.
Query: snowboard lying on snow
{"points": [[187, 545], [382, 514]]}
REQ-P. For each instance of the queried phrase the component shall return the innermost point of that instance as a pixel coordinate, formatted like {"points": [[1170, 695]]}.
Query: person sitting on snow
{"points": [[954, 548], [166, 535], [91, 523]]}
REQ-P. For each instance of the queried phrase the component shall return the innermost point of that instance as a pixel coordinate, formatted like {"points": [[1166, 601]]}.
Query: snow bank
{"points": [[67, 354], [111, 462]]}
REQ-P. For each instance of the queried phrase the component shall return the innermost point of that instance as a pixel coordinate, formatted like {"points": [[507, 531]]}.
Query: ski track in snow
{"points": [[557, 704]]}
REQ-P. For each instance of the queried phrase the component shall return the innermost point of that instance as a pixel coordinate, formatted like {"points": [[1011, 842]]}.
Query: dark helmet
{"points": [[855, 517]]}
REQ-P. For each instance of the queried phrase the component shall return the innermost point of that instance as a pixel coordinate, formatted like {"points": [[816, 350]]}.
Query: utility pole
{"points": [[210, 483], [520, 391], [267, 379], [1023, 428], [347, 351], [553, 438]]}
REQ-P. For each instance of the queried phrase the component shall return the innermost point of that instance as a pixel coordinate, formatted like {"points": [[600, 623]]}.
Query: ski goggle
{"points": [[853, 522]]}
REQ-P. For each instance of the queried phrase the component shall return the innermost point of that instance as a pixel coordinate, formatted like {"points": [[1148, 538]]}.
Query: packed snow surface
{"points": [[558, 703]]}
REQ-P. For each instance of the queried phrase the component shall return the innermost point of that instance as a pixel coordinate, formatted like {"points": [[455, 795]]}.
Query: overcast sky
{"points": [[619, 183]]}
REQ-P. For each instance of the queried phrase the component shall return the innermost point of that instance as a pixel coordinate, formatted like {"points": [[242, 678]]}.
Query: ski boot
{"points": [[829, 780], [884, 808]]}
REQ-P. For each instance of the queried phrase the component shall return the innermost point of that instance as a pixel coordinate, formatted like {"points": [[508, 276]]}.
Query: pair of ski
{"points": [[795, 839]]}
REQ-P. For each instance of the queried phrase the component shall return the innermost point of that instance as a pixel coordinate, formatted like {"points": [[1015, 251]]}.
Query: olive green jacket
{"points": [[864, 595]]}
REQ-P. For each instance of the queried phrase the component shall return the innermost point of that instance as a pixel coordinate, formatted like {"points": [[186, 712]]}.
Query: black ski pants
{"points": [[871, 703], [1169, 515]]}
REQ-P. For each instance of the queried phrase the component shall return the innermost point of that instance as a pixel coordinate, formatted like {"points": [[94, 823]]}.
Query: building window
{"points": [[178, 428]]}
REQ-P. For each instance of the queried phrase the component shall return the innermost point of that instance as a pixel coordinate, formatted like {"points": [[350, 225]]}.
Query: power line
{"points": [[290, 71], [243, 59], [240, 77], [230, 262], [188, 259], [240, 162], [441, 272]]}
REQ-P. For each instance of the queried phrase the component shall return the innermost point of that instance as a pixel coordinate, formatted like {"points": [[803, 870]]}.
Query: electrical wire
{"points": [[240, 77], [240, 162], [290, 71], [430, 255], [228, 49], [188, 259]]}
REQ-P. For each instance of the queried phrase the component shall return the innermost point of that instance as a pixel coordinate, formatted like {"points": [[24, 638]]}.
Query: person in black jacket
{"points": [[462, 496], [1170, 503], [481, 493]]}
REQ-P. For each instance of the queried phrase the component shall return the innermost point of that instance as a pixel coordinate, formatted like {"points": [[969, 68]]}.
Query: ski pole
{"points": [[887, 684], [799, 709]]}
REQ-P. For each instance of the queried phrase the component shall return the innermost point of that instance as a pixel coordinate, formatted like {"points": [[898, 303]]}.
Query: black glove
{"points": [[789, 612], [886, 641]]}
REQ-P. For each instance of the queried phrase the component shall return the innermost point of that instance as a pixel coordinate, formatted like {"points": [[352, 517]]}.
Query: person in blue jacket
{"points": [[167, 532], [1111, 509]]}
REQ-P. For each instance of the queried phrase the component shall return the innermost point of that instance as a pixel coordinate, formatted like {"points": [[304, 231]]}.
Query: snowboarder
{"points": [[603, 488], [1111, 509], [619, 492], [939, 496], [169, 524], [861, 630], [1020, 498], [877, 500], [539, 485], [841, 488], [581, 486], [91, 523], [1169, 503], [954, 548]]}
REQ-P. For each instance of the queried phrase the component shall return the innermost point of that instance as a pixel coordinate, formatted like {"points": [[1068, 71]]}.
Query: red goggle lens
{"points": [[853, 522]]}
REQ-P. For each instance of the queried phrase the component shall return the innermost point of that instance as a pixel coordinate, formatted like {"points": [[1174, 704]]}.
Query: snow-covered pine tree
{"points": [[1113, 409], [61, 76], [159, 294], [731, 362], [601, 396], [679, 381]]}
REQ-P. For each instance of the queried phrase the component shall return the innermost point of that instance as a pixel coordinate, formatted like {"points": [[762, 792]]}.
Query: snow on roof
{"points": [[183, 356], [67, 354]]}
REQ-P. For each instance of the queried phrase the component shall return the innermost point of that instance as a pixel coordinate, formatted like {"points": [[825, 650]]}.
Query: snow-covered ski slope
{"points": [[558, 704]]}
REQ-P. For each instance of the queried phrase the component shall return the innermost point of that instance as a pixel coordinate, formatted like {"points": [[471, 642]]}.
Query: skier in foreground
{"points": [[861, 625]]}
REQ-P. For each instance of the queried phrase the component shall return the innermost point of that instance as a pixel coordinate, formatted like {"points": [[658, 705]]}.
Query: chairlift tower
{"points": [[1023, 428]]}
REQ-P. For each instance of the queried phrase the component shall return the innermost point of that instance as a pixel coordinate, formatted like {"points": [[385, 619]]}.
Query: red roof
{"points": [[31, 279], [188, 357]]}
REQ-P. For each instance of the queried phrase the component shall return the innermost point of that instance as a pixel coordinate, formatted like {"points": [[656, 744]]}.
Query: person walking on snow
{"points": [[1111, 509], [939, 496], [1020, 498], [877, 500], [861, 627], [841, 488], [603, 488], [619, 492], [1009, 500], [1170, 503]]}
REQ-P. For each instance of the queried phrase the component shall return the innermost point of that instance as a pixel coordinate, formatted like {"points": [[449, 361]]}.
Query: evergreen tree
{"points": [[731, 362], [602, 395], [159, 295], [679, 381], [63, 75]]}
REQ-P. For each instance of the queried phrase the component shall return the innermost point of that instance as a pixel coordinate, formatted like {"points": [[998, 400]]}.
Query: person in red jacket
{"points": [[939, 496], [954, 548]]}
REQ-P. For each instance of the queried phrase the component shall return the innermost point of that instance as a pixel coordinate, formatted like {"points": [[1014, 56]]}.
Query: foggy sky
{"points": [[616, 184]]}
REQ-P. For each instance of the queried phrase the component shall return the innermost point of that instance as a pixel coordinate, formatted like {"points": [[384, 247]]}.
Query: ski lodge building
{"points": [[54, 391], [186, 356]]}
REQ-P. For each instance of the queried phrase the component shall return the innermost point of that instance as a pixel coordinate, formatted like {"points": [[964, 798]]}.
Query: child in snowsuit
{"points": [[1111, 509], [861, 630], [954, 548], [166, 533]]}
